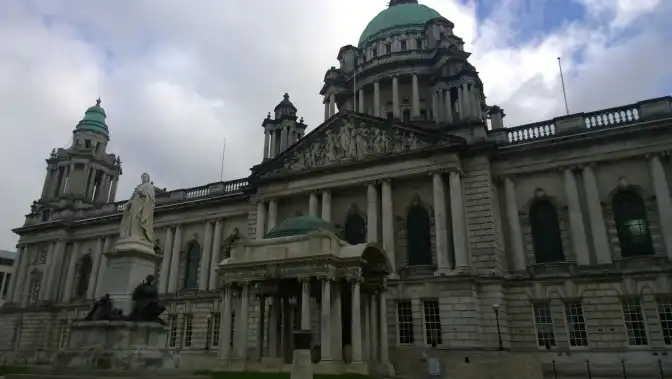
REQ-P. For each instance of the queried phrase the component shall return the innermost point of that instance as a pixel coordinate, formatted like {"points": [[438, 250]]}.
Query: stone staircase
{"points": [[52, 373]]}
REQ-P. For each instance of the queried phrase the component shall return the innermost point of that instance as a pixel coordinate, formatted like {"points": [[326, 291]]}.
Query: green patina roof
{"points": [[300, 225], [400, 16], [94, 120]]}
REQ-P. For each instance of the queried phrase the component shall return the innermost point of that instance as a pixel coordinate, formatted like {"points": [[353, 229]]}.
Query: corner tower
{"points": [[408, 65], [283, 130], [84, 173]]}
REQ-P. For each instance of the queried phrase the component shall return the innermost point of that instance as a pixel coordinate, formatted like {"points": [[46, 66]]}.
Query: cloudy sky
{"points": [[177, 77]]}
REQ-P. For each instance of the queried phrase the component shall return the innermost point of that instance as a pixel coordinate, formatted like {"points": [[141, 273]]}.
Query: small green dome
{"points": [[300, 225], [404, 16], [94, 120]]}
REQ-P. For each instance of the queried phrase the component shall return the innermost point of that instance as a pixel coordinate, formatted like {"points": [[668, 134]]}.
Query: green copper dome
{"points": [[94, 120], [402, 16], [300, 225]]}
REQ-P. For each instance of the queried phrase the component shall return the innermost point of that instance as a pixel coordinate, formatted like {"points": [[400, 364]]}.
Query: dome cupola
{"points": [[400, 16], [94, 120]]}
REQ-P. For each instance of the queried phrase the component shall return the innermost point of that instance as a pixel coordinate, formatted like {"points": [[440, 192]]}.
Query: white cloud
{"points": [[177, 79]]}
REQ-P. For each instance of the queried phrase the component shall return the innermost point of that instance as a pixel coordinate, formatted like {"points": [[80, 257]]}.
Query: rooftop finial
{"points": [[398, 2], [98, 101], [286, 96]]}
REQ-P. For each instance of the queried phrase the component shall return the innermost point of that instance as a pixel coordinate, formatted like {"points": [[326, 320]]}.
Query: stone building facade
{"points": [[6, 262], [542, 242]]}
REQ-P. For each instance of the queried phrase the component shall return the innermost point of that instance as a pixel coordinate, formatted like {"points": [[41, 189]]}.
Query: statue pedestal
{"points": [[116, 345], [129, 263]]}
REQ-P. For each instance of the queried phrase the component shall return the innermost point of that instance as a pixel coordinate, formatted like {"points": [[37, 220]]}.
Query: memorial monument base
{"points": [[116, 345]]}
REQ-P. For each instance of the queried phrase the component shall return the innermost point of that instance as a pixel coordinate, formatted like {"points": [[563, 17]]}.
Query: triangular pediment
{"points": [[351, 137]]}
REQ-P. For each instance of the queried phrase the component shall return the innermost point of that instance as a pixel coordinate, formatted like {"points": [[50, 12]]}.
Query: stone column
{"points": [[261, 326], [459, 224], [272, 152], [312, 205], [47, 181], [332, 105], [92, 183], [175, 260], [71, 176], [215, 256], [272, 214], [325, 320], [305, 303], [326, 108], [204, 275], [515, 233], [578, 230], [275, 312], [113, 192], [440, 223], [95, 269], [376, 98], [372, 213], [448, 106], [597, 226], [384, 342], [373, 327], [460, 103], [663, 200], [225, 323], [326, 205], [435, 106], [361, 100], [18, 268], [267, 141], [54, 271], [388, 222], [356, 326], [261, 219], [243, 317], [102, 266], [415, 102], [395, 98], [283, 138]]}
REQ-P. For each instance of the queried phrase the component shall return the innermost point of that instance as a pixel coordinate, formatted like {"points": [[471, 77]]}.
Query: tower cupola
{"points": [[283, 130]]}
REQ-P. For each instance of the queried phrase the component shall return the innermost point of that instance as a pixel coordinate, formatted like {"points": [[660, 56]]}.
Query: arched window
{"points": [[84, 267], [546, 232], [355, 228], [34, 286], [632, 224], [419, 240], [192, 264]]}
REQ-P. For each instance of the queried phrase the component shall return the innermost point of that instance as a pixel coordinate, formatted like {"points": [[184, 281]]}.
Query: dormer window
{"points": [[403, 46], [388, 48]]}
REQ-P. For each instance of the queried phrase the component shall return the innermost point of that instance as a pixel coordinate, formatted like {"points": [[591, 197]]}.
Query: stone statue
{"points": [[138, 219], [102, 310], [146, 306]]}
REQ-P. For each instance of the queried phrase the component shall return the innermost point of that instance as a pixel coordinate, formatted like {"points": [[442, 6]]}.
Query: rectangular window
{"points": [[576, 324], [172, 331], [635, 326], [405, 322], [216, 323], [543, 322], [430, 310], [388, 48], [665, 315], [403, 45], [418, 43], [188, 329]]}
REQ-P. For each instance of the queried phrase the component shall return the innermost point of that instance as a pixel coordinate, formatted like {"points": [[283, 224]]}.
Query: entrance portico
{"points": [[309, 280]]}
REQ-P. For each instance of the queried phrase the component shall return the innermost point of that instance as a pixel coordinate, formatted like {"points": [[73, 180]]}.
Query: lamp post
{"points": [[495, 307]]}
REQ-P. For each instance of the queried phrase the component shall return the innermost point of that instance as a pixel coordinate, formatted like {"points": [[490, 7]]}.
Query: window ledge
{"points": [[656, 262], [563, 268]]}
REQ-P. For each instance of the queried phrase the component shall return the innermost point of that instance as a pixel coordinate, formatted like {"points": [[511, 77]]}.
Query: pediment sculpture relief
{"points": [[352, 141]]}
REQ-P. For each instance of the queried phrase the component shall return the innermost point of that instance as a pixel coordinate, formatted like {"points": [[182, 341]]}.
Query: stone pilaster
{"points": [[373, 326], [415, 91], [356, 326], [225, 323], [388, 222], [515, 232], [578, 230], [598, 227], [372, 213], [305, 303], [95, 270], [204, 276], [663, 200], [440, 223], [18, 271], [448, 106], [325, 319], [214, 258], [107, 243], [261, 219], [272, 214], [382, 316], [313, 205], [376, 99], [395, 98], [242, 318], [457, 217], [326, 205], [175, 260], [70, 273]]}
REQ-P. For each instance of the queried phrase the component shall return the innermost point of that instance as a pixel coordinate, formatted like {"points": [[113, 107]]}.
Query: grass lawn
{"points": [[7, 370], [274, 375]]}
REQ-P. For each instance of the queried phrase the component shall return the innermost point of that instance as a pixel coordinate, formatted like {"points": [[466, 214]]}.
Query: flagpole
{"points": [[564, 92], [221, 171]]}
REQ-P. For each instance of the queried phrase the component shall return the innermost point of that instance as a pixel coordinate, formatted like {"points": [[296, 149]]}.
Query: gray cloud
{"points": [[177, 79]]}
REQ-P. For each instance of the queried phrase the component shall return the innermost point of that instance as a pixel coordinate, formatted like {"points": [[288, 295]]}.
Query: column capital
{"points": [[355, 276], [569, 167], [659, 154], [328, 277], [303, 278]]}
